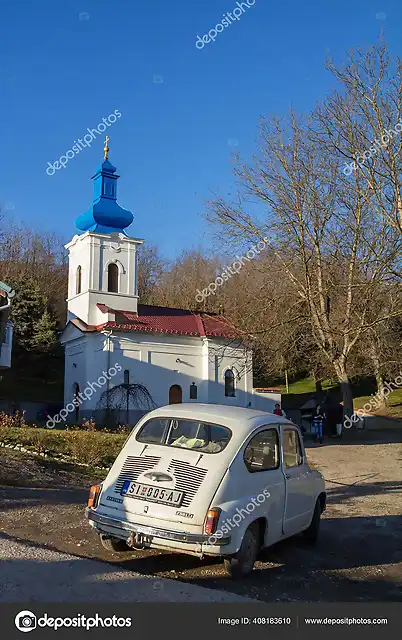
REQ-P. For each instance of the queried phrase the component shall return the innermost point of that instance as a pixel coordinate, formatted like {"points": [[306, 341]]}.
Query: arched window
{"points": [[113, 278], [76, 388], [126, 376], [78, 280], [175, 394], [229, 384]]}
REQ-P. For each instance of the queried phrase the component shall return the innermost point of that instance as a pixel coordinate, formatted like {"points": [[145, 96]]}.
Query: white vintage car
{"points": [[208, 480]]}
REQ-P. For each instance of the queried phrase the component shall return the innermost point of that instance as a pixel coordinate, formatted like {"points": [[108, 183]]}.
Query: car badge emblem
{"points": [[158, 476]]}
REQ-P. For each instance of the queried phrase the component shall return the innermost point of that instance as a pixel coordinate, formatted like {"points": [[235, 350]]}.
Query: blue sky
{"points": [[66, 64]]}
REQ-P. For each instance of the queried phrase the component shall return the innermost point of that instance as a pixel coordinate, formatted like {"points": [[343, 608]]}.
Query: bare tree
{"points": [[361, 124], [192, 271], [151, 267], [25, 254], [332, 249]]}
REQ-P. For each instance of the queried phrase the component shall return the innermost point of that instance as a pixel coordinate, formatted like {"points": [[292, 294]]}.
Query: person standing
{"points": [[318, 425], [278, 411]]}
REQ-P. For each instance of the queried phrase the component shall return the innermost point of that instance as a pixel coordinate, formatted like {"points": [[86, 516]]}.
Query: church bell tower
{"points": [[103, 259]]}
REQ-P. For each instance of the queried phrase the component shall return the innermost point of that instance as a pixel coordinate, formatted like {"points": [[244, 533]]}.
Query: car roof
{"points": [[240, 420]]}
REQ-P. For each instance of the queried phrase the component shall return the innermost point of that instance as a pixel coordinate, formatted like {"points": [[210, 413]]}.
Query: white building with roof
{"points": [[129, 357]]}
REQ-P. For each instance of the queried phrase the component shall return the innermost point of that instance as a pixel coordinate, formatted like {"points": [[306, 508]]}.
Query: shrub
{"points": [[15, 420], [89, 424], [93, 448], [87, 447]]}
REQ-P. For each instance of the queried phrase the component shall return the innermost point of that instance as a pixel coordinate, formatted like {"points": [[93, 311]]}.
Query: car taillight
{"points": [[94, 494], [211, 521]]}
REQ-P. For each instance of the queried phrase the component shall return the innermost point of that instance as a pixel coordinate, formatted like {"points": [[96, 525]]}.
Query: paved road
{"points": [[32, 573]]}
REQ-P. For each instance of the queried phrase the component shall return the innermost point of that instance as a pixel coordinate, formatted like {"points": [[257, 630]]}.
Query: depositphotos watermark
{"points": [[366, 155], [239, 516], [227, 272], [76, 148], [28, 621], [83, 395], [375, 402], [228, 19]]}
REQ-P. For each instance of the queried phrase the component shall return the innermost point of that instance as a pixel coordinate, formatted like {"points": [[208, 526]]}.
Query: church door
{"points": [[175, 394]]}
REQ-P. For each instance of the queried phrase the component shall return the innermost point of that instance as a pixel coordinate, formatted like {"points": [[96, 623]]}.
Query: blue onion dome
{"points": [[105, 215]]}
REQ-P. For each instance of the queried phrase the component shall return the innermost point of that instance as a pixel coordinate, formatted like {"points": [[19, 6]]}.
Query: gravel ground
{"points": [[358, 558], [31, 573]]}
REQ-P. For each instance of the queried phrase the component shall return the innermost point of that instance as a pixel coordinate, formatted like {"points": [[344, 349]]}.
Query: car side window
{"points": [[262, 452], [292, 450]]}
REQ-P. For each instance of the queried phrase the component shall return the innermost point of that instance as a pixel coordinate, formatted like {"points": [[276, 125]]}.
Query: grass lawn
{"points": [[307, 385], [393, 409]]}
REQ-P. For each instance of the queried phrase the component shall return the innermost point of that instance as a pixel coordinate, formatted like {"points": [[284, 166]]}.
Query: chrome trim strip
{"points": [[165, 534]]}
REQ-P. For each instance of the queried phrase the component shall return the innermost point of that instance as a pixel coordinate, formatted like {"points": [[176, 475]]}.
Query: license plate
{"points": [[152, 494]]}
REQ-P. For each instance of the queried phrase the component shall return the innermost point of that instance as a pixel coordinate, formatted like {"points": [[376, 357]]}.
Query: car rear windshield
{"points": [[186, 434]]}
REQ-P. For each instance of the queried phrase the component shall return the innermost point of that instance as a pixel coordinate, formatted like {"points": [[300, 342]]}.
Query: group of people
{"points": [[328, 419]]}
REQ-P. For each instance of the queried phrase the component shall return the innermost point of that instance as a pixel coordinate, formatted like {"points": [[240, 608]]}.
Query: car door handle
{"points": [[288, 476]]}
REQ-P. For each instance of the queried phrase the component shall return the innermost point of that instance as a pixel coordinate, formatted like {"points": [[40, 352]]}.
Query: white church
{"points": [[130, 357]]}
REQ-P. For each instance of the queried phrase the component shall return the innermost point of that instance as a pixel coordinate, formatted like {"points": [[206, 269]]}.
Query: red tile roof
{"points": [[153, 319]]}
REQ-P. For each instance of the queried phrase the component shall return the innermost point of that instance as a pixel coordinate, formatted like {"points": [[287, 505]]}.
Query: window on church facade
{"points": [[78, 280], [77, 398], [229, 384], [113, 278]]}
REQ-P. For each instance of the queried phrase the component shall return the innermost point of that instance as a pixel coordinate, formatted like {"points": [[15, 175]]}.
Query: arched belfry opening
{"points": [[78, 277], [113, 278]]}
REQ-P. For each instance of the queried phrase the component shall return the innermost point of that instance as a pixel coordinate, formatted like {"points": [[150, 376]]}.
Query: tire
{"points": [[312, 533], [242, 562], [113, 544]]}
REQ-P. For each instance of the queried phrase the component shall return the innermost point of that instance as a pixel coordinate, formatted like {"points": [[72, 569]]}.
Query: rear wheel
{"points": [[312, 533], [242, 562], [113, 544]]}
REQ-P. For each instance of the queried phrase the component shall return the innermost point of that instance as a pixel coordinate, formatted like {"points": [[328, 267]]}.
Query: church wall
{"points": [[223, 356], [162, 362], [157, 364], [94, 253], [78, 257], [74, 369]]}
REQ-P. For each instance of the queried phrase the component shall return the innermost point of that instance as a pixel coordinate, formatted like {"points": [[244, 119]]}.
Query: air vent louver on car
{"points": [[188, 479], [133, 467]]}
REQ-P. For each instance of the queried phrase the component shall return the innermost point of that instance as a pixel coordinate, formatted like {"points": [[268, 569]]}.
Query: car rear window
{"points": [[186, 434]]}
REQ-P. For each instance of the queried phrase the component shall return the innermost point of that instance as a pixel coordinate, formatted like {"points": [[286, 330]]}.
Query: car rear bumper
{"points": [[123, 528]]}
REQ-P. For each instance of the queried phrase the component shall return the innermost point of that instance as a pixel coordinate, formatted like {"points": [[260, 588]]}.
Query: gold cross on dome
{"points": [[106, 148]]}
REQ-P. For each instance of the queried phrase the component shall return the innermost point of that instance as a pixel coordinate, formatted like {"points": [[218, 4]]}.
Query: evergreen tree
{"points": [[27, 310], [44, 338]]}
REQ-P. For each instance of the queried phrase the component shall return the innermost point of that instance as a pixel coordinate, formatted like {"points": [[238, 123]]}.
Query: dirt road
{"points": [[358, 558], [32, 573]]}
